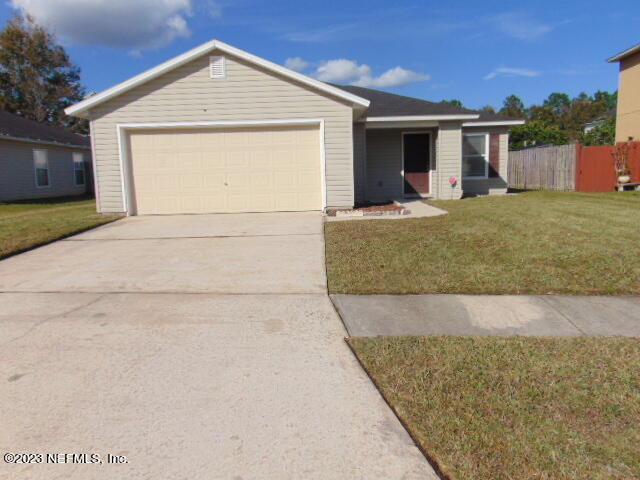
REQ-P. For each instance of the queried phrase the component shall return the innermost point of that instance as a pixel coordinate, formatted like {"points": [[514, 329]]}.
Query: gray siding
{"points": [[360, 161], [384, 162], [384, 165], [248, 93], [17, 174], [492, 185]]}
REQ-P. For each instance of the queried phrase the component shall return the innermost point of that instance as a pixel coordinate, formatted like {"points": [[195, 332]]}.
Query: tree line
{"points": [[560, 119]]}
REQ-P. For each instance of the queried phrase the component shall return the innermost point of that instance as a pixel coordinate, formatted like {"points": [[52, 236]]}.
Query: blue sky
{"points": [[478, 52]]}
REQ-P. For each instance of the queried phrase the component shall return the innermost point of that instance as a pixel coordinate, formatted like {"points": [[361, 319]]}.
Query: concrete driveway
{"points": [[195, 347]]}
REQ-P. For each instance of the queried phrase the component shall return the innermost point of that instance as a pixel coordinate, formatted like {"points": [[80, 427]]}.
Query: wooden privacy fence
{"points": [[569, 167], [543, 168]]}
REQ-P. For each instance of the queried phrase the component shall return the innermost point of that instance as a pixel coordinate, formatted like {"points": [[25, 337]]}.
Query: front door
{"points": [[416, 150]]}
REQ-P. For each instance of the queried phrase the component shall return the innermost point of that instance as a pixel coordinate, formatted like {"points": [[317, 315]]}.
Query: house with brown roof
{"points": [[41, 161], [218, 129], [628, 111]]}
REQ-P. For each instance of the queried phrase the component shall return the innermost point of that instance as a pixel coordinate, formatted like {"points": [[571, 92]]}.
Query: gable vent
{"points": [[217, 67]]}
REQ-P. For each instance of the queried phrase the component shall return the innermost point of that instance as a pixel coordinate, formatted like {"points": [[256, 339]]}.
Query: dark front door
{"points": [[416, 148]]}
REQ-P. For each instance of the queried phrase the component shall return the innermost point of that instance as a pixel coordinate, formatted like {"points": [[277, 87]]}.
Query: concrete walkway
{"points": [[373, 315], [198, 347], [418, 209]]}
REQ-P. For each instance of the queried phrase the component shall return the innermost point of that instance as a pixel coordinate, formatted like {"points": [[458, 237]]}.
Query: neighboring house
{"points": [[599, 120], [628, 111], [217, 129], [41, 161]]}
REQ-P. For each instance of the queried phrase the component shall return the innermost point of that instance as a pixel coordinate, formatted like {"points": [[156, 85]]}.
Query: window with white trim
{"points": [[41, 167], [78, 168], [217, 66], [475, 155]]}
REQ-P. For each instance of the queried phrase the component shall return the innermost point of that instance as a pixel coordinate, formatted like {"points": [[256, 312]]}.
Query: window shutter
{"points": [[217, 67], [494, 155]]}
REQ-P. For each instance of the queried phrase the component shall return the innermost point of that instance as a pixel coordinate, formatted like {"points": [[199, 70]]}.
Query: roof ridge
{"points": [[387, 104], [430, 102], [42, 124]]}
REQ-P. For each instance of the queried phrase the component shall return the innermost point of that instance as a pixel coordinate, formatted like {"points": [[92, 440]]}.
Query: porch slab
{"points": [[417, 207]]}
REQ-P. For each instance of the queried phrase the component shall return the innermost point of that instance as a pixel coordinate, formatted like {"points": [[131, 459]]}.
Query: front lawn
{"points": [[515, 408], [530, 243], [27, 224]]}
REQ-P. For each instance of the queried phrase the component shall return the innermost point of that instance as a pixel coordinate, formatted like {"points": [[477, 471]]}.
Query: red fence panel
{"points": [[595, 171]]}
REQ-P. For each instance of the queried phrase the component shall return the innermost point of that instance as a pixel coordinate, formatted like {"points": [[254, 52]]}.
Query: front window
{"points": [[78, 168], [41, 166], [475, 155]]}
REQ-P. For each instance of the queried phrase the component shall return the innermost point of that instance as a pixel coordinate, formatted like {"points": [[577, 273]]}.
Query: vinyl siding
{"points": [[384, 165], [384, 162], [449, 161], [17, 174], [359, 161], [492, 185], [247, 93]]}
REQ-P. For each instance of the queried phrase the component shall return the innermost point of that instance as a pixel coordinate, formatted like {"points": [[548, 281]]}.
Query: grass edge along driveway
{"points": [[529, 243], [28, 224], [502, 408]]}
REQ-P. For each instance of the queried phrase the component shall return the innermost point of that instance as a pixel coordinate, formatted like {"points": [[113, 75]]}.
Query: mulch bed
{"points": [[371, 207], [391, 207]]}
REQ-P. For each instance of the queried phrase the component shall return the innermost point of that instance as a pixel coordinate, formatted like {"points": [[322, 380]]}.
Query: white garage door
{"points": [[232, 170]]}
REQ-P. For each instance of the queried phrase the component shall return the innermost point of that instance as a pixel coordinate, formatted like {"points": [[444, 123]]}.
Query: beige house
{"points": [[41, 161], [628, 111], [218, 129]]}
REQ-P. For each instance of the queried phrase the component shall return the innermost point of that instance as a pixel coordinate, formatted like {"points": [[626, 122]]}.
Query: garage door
{"points": [[239, 170]]}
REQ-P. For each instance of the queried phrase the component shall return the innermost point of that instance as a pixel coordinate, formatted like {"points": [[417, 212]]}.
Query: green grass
{"points": [[515, 408], [28, 224], [530, 243]]}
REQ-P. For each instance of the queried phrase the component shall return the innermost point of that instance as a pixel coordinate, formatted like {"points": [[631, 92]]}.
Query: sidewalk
{"points": [[544, 315]]}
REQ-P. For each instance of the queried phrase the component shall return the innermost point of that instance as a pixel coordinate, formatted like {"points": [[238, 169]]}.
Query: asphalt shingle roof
{"points": [[19, 127], [384, 104]]}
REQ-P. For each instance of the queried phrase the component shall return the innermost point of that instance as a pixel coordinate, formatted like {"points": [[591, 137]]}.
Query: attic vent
{"points": [[217, 67]]}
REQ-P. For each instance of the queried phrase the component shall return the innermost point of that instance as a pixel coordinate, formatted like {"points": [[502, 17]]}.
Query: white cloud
{"points": [[296, 63], [341, 70], [511, 72], [393, 77], [135, 24], [520, 25], [349, 71]]}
